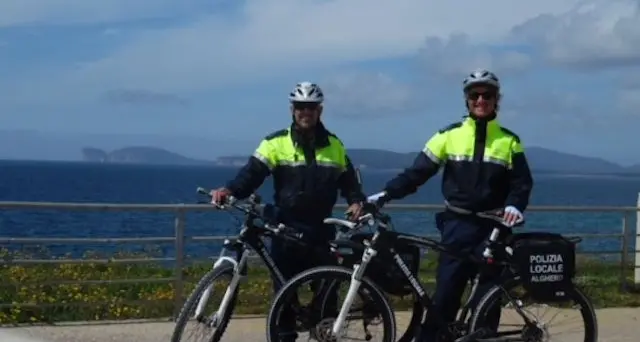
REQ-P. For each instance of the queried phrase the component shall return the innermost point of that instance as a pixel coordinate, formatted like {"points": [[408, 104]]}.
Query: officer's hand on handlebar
{"points": [[355, 211], [378, 199], [220, 196], [512, 215]]}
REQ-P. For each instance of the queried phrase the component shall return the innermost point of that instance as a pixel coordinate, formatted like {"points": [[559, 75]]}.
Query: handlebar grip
{"points": [[230, 199]]}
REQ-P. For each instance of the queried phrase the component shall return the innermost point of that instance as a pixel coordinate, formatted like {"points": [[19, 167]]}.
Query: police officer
{"points": [[484, 168], [309, 166]]}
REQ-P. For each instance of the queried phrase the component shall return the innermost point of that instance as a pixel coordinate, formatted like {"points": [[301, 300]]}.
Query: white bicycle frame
{"points": [[233, 285], [358, 271], [354, 286], [370, 253]]}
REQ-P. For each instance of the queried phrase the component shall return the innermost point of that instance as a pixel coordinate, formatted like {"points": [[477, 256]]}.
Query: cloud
{"points": [[630, 79], [143, 97], [627, 95], [261, 40], [445, 61], [268, 37], [440, 64], [628, 100], [546, 102], [75, 12], [457, 55], [530, 48], [593, 34], [554, 65], [367, 95]]}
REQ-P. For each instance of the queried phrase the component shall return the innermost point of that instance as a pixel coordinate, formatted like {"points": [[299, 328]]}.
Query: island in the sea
{"points": [[540, 160]]}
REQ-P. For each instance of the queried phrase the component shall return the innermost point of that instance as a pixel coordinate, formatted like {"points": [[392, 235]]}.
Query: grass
{"points": [[55, 289]]}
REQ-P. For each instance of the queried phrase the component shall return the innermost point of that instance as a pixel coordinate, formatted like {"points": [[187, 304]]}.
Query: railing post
{"points": [[624, 254], [178, 288], [636, 265]]}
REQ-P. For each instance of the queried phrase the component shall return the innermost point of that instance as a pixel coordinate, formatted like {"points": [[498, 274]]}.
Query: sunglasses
{"points": [[305, 105], [474, 95]]}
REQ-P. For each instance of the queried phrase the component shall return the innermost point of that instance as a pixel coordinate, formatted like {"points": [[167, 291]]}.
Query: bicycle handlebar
{"points": [[497, 216], [372, 216], [346, 225], [252, 206], [255, 208]]}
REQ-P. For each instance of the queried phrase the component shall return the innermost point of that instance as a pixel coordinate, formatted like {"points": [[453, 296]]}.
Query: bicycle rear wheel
{"points": [[318, 319], [417, 315], [539, 331]]}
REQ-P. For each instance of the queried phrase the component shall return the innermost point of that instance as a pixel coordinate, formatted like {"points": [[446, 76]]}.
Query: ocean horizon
{"points": [[128, 183]]}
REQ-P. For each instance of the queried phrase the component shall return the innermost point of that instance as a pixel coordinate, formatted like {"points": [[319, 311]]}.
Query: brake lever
{"points": [[229, 203], [366, 219], [510, 225]]}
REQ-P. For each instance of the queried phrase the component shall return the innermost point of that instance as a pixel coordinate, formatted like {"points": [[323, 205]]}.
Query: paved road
{"points": [[615, 325]]}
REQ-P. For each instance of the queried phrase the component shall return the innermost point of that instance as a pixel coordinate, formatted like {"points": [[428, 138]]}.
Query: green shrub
{"points": [[56, 289]]}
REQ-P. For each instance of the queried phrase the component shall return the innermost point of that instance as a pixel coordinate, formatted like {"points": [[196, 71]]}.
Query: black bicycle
{"points": [[541, 263], [256, 226]]}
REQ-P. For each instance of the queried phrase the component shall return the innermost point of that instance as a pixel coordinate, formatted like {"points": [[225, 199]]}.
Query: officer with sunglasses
{"points": [[484, 168], [310, 167]]}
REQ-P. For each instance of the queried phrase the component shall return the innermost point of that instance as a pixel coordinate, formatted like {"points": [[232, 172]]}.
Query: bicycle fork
{"points": [[231, 289], [354, 286]]}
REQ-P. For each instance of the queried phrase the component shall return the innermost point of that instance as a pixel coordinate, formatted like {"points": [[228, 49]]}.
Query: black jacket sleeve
{"points": [[249, 178], [408, 181], [350, 187], [520, 182]]}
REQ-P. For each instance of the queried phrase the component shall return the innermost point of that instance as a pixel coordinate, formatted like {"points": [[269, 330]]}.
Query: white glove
{"points": [[375, 197], [512, 215]]}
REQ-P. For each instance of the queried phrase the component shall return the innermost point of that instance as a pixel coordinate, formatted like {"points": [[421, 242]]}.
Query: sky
{"points": [[217, 73]]}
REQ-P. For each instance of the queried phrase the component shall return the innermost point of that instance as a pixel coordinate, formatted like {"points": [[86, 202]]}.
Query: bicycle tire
{"points": [[330, 272], [417, 313], [575, 293], [190, 304]]}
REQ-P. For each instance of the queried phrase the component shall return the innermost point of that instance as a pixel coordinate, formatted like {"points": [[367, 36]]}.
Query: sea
{"points": [[119, 183]]}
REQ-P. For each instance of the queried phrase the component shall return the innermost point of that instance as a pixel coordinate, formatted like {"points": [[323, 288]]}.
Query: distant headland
{"points": [[540, 160]]}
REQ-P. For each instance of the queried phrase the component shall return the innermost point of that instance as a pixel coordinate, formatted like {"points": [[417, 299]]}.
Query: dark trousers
{"points": [[293, 258], [467, 235]]}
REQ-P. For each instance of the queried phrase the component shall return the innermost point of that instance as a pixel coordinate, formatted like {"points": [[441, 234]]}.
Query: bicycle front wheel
{"points": [[512, 298], [211, 325], [288, 316]]}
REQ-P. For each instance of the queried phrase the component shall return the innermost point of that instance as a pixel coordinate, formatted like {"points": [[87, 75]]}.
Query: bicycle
{"points": [[250, 238], [515, 256]]}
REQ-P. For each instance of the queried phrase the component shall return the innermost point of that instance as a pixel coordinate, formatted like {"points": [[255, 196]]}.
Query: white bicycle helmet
{"points": [[481, 76], [306, 92]]}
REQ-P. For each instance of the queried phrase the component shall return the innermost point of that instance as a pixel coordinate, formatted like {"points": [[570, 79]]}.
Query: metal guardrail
{"points": [[179, 239]]}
